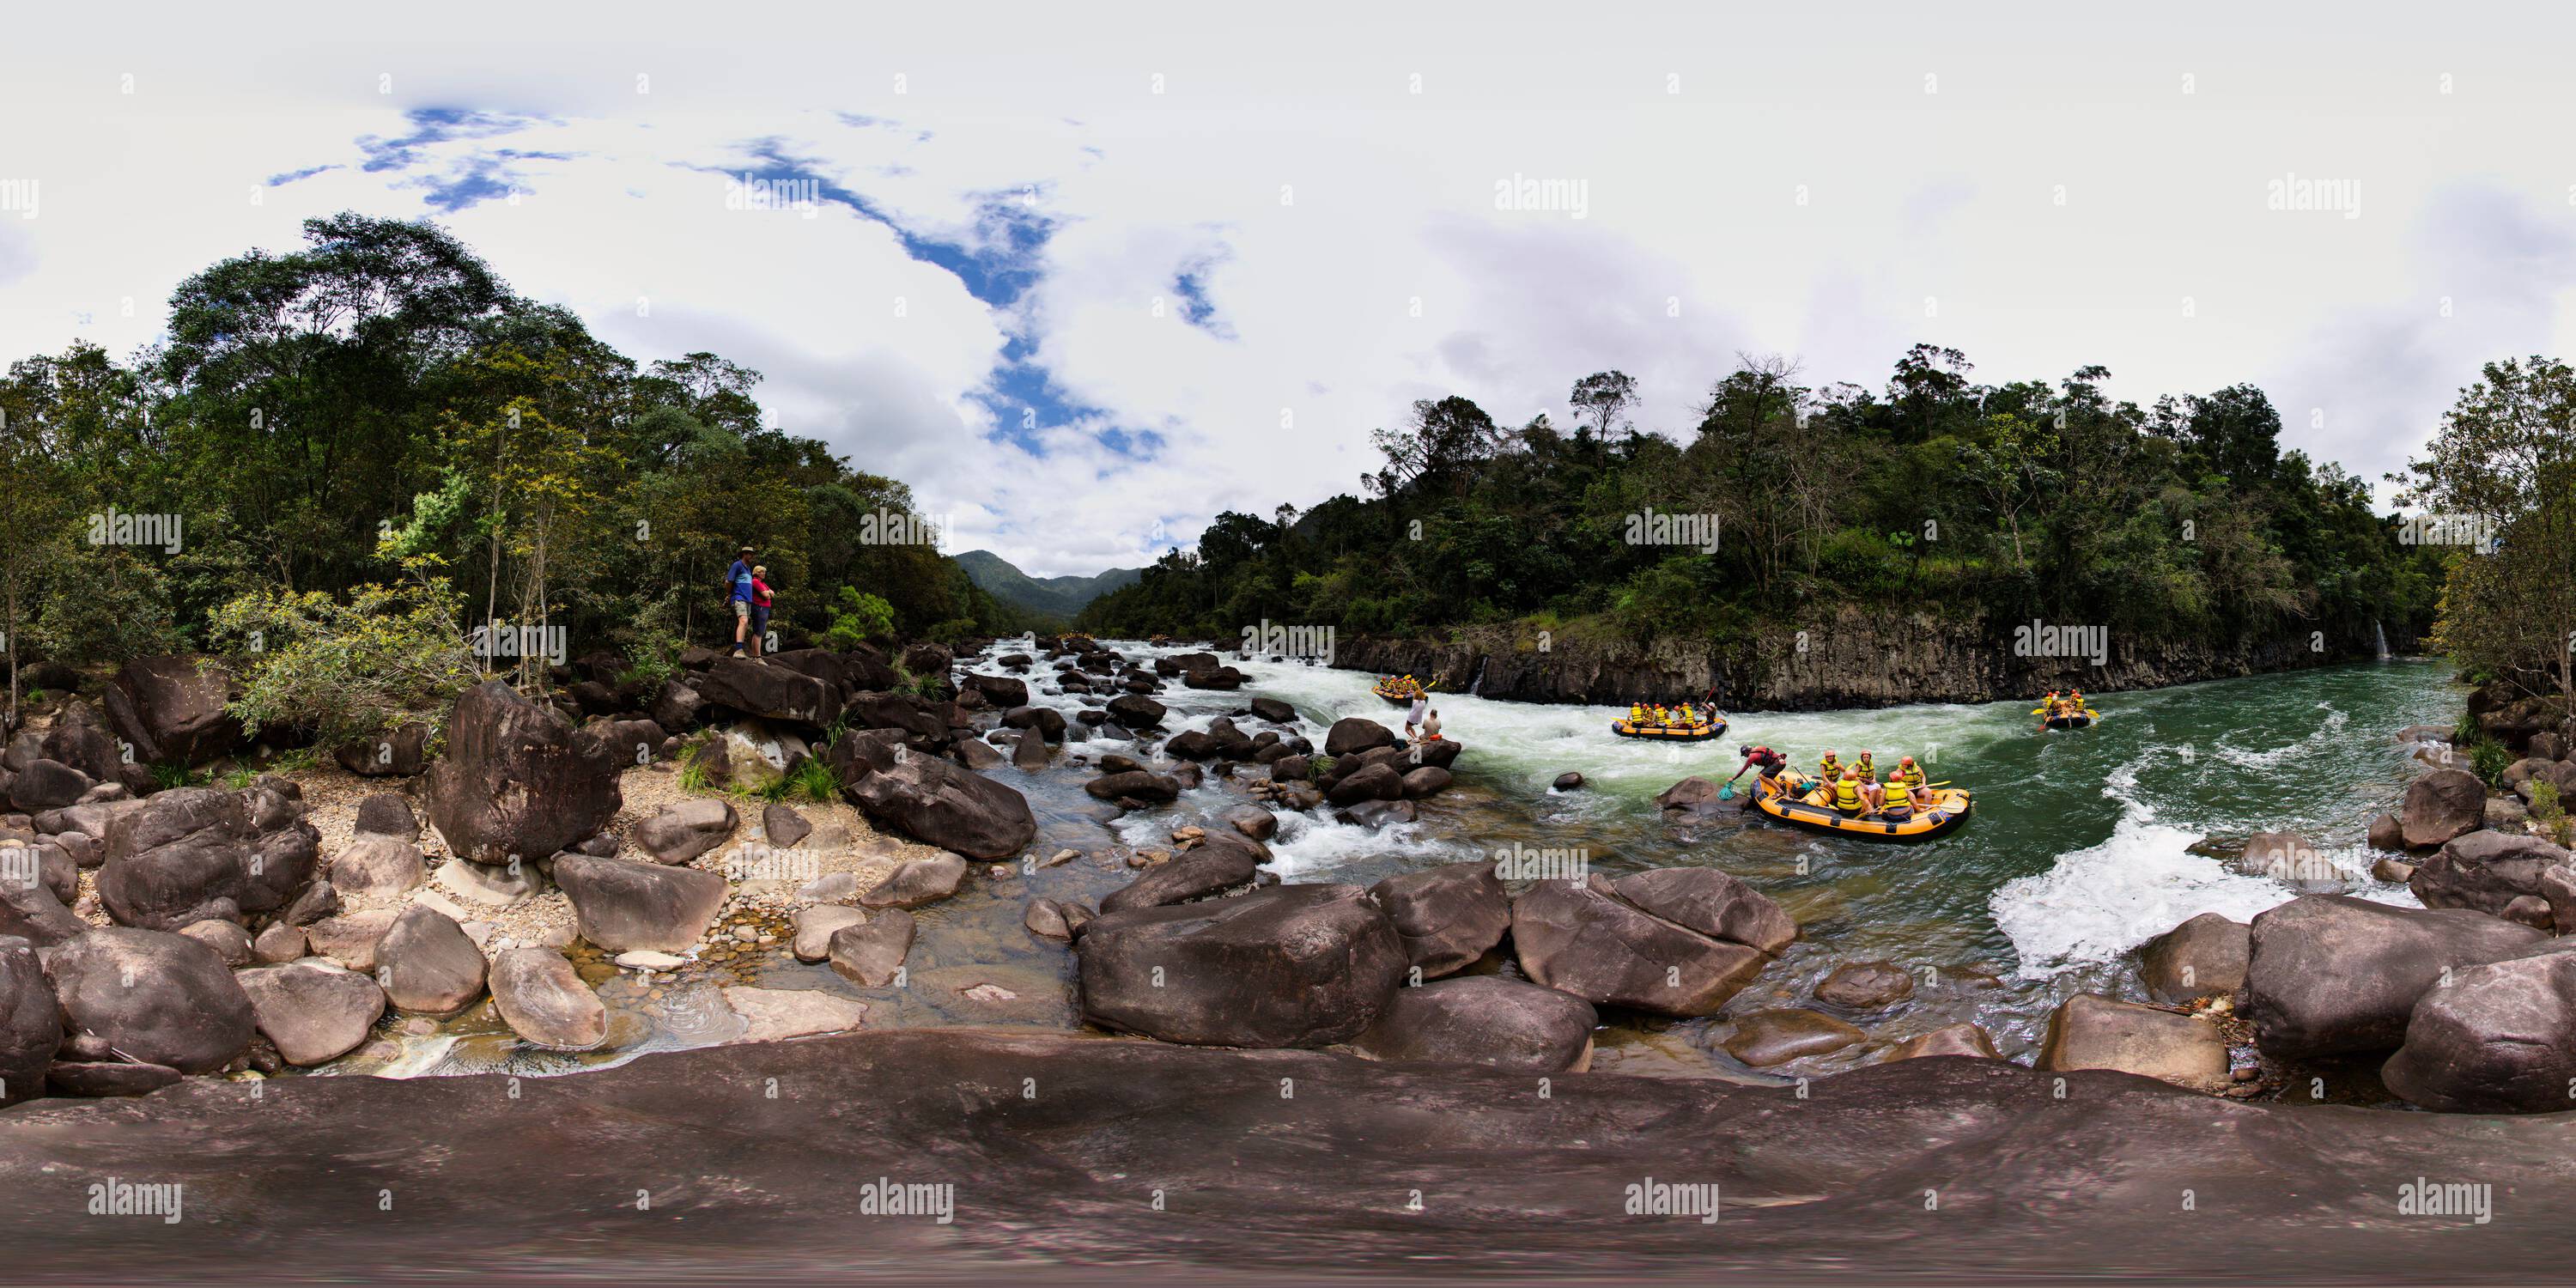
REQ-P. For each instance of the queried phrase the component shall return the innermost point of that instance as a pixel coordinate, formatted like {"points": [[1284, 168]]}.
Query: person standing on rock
{"points": [[738, 581], [760, 601], [1413, 714]]}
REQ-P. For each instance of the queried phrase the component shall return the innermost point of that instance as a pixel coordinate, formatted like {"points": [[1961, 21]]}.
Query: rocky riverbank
{"points": [[1848, 657], [1064, 1153]]}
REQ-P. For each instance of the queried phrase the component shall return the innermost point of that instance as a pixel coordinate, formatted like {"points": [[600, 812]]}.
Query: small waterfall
{"points": [[1477, 684], [2382, 633]]}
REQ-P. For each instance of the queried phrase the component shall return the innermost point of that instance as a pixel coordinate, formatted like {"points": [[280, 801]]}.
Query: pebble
{"points": [[648, 960], [746, 933], [1061, 857]]}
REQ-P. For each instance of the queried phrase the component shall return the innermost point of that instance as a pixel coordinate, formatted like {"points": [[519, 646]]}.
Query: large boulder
{"points": [[47, 784], [149, 997], [1766, 1038], [1000, 690], [1864, 986], [31, 1022], [1692, 795], [1448, 916], [191, 853], [936, 802], [871, 953], [30, 911], [399, 752], [929, 661], [1713, 903], [2330, 974], [2202, 957], [312, 1011], [515, 782], [1374, 783], [427, 964], [1955, 1039], [1483, 1019], [1291, 966], [684, 830], [1582, 938], [80, 738], [1134, 784], [2089, 1032], [172, 709], [1136, 711], [622, 905], [543, 1000], [2441, 805], [1048, 721], [1355, 734], [377, 867], [919, 719], [771, 691], [2488, 870], [2498, 1038]]}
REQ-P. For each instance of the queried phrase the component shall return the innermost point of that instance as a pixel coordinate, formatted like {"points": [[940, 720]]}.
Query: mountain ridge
{"points": [[1056, 596]]}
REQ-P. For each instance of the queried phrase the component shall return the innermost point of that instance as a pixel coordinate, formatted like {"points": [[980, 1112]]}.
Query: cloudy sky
{"points": [[1087, 276]]}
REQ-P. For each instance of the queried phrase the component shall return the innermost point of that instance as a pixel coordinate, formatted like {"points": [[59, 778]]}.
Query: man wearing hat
{"points": [[738, 581]]}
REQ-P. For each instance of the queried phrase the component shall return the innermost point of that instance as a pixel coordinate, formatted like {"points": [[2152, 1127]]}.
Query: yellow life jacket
{"points": [[1867, 770], [1912, 778], [1847, 793], [1829, 768]]}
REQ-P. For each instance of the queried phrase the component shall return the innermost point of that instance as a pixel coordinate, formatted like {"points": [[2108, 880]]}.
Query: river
{"points": [[2084, 844]]}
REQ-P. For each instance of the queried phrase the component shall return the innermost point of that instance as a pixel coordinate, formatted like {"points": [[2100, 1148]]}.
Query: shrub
{"points": [[2488, 759], [2546, 807], [111, 606], [347, 671], [858, 618]]}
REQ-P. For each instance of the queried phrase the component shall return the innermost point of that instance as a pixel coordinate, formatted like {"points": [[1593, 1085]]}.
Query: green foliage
{"points": [[167, 776], [859, 618], [347, 669], [813, 779], [109, 605], [2468, 731], [2488, 759], [693, 778], [2552, 814]]}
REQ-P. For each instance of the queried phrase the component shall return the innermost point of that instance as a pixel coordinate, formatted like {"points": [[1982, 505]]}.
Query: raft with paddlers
{"points": [[1400, 690], [2070, 712], [1699, 732], [1949, 813]]}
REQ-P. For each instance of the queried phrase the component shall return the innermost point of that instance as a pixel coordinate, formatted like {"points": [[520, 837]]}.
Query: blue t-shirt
{"points": [[740, 577]]}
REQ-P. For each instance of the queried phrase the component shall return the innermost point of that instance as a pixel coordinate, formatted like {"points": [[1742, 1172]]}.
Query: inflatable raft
{"points": [[1396, 691], [2076, 720], [1949, 813], [1670, 733]]}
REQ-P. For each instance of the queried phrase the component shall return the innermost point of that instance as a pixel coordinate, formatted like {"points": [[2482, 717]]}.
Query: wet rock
{"points": [[777, 1014], [916, 883], [1766, 1038], [816, 925], [1430, 780], [1001, 690], [2497, 1038], [377, 867], [1692, 795], [192, 853], [1483, 1019], [229, 940], [783, 826], [149, 996], [2386, 833], [1567, 781], [1301, 965], [1448, 917], [648, 961], [1221, 862], [515, 782], [427, 964], [682, 831], [1046, 920], [976, 754], [872, 953], [620, 904], [1865, 986], [2440, 806], [1030, 752], [312, 1011], [1955, 1039], [1047, 721], [1253, 821], [1580, 937], [1374, 783], [2330, 974], [2202, 957], [2392, 871], [386, 814], [1713, 903], [543, 1000], [31, 1028], [1292, 769], [935, 802], [1273, 710], [2089, 1032], [998, 994]]}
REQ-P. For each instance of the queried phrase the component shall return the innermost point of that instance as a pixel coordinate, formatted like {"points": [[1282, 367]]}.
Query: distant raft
{"points": [[1701, 732], [2071, 720], [1399, 690], [1949, 813]]}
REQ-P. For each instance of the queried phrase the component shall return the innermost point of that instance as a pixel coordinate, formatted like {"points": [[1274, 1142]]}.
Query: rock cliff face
{"points": [[1851, 657]]}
